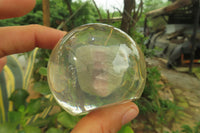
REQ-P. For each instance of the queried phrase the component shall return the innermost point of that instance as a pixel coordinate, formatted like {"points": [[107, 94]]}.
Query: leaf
{"points": [[21, 131], [11, 78], [14, 117], [19, 97], [45, 106], [54, 130], [197, 127], [49, 121], [30, 67], [34, 106], [21, 109], [3, 98], [16, 70], [28, 73], [32, 129], [42, 87], [7, 128], [43, 71], [68, 120], [126, 129], [41, 122], [46, 59], [186, 129]]}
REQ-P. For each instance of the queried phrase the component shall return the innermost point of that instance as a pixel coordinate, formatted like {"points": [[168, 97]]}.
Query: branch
{"points": [[70, 10], [69, 7], [130, 16], [139, 11], [117, 10], [111, 20], [134, 7], [100, 17], [177, 4], [64, 23]]}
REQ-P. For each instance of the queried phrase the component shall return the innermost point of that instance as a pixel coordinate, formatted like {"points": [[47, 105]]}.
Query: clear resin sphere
{"points": [[93, 66]]}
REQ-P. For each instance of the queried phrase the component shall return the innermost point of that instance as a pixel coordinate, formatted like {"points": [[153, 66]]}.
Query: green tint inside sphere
{"points": [[95, 65]]}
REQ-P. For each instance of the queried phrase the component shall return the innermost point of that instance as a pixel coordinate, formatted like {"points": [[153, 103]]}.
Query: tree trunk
{"points": [[126, 16], [46, 12]]}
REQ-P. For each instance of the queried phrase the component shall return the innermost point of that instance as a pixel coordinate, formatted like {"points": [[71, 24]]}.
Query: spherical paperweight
{"points": [[93, 66]]}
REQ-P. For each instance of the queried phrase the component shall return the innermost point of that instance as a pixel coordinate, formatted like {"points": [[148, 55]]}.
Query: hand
{"points": [[17, 39], [107, 120]]}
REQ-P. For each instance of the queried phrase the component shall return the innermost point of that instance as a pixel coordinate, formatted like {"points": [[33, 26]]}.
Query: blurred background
{"points": [[168, 33]]}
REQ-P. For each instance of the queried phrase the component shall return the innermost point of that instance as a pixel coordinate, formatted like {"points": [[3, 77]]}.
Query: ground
{"points": [[183, 89]]}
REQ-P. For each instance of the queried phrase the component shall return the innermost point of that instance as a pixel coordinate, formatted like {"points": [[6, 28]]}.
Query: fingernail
{"points": [[129, 115]]}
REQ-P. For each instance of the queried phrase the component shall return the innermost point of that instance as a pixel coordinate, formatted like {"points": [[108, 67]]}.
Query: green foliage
{"points": [[186, 129], [58, 12], [34, 106], [151, 103], [21, 117], [126, 129], [24, 111], [48, 122], [34, 17], [150, 5], [43, 71], [138, 37], [141, 40], [18, 98], [156, 24], [54, 130], [42, 87], [40, 65], [31, 116], [149, 100], [189, 129], [32, 129], [14, 117], [7, 128], [11, 78], [86, 15], [67, 120]]}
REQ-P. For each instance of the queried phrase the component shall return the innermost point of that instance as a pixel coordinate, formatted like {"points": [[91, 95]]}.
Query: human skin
{"points": [[19, 39]]}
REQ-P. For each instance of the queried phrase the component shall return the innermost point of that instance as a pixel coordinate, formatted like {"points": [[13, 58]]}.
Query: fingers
{"points": [[15, 8], [107, 120], [19, 39], [2, 63]]}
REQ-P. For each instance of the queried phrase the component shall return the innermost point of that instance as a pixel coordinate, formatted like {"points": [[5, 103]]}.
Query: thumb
{"points": [[108, 119], [2, 63]]}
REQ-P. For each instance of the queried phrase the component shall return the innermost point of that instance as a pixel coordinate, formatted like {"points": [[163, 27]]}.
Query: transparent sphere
{"points": [[95, 65]]}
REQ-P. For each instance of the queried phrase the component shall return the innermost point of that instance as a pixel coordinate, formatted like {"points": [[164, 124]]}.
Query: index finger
{"points": [[15, 8], [17, 39]]}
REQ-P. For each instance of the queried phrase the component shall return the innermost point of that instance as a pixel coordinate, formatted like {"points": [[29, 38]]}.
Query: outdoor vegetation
{"points": [[26, 104]]}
